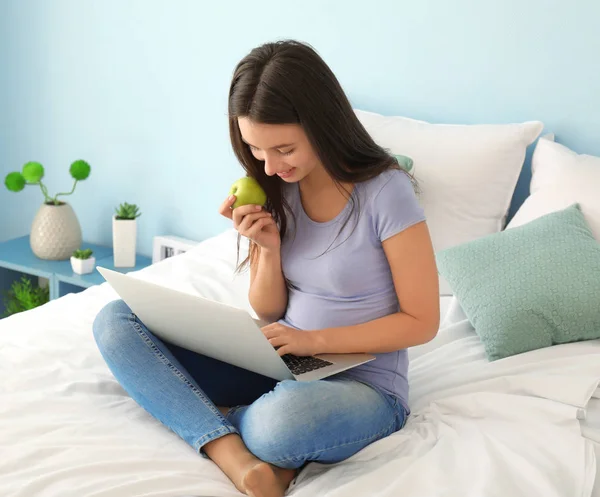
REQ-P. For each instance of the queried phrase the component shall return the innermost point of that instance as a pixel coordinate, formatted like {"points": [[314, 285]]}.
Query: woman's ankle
{"points": [[266, 480], [233, 458]]}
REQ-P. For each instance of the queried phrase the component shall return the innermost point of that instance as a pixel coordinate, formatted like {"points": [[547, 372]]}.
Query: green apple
{"points": [[248, 191]]}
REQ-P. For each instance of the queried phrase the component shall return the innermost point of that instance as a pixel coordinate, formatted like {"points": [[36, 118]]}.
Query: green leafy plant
{"points": [[127, 211], [23, 296], [33, 172], [83, 253]]}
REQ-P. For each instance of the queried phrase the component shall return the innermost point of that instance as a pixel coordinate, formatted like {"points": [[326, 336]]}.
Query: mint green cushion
{"points": [[529, 287], [404, 162]]}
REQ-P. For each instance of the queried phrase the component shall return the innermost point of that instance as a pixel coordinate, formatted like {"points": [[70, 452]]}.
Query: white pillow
{"points": [[466, 173], [561, 177]]}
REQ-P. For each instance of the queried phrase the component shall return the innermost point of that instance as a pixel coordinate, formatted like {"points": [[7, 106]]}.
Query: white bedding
{"points": [[511, 427]]}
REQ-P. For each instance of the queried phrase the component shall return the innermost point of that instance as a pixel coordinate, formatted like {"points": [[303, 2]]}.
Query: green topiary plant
{"points": [[23, 296], [33, 172], [83, 253], [127, 211]]}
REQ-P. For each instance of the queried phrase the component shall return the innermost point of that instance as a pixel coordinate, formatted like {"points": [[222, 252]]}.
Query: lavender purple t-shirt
{"points": [[345, 279]]}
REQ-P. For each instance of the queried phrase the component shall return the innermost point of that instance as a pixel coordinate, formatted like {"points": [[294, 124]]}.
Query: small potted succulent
{"points": [[55, 231], [125, 234], [82, 261]]}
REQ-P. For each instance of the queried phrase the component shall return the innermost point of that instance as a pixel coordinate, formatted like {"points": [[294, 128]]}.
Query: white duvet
{"points": [[508, 428]]}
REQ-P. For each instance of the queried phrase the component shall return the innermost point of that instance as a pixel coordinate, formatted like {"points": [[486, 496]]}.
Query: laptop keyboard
{"points": [[298, 365]]}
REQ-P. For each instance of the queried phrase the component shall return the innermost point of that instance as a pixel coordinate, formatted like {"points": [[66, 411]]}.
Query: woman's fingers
{"points": [[247, 219], [284, 350], [250, 219], [277, 341], [225, 208], [240, 212], [253, 232]]}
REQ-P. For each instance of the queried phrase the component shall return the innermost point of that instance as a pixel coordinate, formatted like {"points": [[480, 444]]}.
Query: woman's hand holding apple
{"points": [[253, 222]]}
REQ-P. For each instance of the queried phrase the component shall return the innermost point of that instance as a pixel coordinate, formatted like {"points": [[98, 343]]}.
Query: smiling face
{"points": [[284, 149]]}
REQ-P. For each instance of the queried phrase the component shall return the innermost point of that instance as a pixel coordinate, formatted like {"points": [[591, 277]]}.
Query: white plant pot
{"points": [[55, 232], [124, 242], [83, 266]]}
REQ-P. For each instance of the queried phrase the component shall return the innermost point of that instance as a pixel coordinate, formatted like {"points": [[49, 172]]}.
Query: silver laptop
{"points": [[220, 331]]}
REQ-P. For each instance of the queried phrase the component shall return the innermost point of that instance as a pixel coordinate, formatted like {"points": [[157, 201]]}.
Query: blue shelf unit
{"points": [[17, 259]]}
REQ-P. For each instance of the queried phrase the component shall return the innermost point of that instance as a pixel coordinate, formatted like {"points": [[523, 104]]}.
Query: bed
{"points": [[527, 425]]}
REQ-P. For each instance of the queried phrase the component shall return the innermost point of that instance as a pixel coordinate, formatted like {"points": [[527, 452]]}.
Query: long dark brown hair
{"points": [[287, 82]]}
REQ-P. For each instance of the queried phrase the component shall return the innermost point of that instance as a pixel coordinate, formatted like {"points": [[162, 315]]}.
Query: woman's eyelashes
{"points": [[281, 152]]}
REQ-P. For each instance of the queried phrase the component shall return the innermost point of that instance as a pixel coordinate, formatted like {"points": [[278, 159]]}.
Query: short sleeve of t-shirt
{"points": [[396, 207]]}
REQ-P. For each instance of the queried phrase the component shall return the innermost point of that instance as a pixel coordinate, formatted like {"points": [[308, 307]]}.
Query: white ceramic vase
{"points": [[55, 232], [124, 242], [83, 266]]}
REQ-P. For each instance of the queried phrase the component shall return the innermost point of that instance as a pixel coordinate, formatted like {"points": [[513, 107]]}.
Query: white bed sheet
{"points": [[511, 427], [590, 429]]}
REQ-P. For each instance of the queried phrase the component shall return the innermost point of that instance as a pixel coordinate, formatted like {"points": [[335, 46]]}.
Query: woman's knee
{"points": [[271, 430], [323, 421], [108, 326]]}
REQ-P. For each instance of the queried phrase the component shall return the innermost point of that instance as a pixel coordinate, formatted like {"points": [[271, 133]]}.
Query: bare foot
{"points": [[265, 480]]}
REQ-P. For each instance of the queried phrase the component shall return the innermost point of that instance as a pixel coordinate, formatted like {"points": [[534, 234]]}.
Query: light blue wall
{"points": [[138, 88]]}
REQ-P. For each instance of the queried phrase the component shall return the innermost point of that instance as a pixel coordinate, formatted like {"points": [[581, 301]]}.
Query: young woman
{"points": [[340, 262]]}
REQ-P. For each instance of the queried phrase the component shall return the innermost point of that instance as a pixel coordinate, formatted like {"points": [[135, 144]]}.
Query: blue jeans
{"points": [[284, 423]]}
